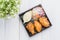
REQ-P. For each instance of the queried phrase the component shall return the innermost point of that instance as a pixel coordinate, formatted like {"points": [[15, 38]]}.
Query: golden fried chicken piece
{"points": [[44, 21], [30, 27], [38, 26]]}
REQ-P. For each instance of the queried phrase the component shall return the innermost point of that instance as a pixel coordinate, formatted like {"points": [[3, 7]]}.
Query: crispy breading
{"points": [[38, 26], [30, 27], [44, 21]]}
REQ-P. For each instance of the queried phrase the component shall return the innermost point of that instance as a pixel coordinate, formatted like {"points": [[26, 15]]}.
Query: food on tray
{"points": [[27, 16], [38, 10], [38, 26], [30, 27], [35, 20], [44, 21]]}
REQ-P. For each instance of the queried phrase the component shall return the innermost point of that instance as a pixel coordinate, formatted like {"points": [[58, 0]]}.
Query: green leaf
{"points": [[8, 7]]}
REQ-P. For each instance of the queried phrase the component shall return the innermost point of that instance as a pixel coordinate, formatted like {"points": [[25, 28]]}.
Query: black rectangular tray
{"points": [[21, 15]]}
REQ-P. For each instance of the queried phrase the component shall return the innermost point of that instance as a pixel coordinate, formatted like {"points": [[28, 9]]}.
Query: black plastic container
{"points": [[21, 17]]}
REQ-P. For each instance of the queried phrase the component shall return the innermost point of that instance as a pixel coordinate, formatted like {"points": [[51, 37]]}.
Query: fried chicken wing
{"points": [[38, 26], [30, 27], [44, 21]]}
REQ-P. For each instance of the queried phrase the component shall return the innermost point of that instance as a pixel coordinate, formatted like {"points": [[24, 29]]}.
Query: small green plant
{"points": [[8, 7]]}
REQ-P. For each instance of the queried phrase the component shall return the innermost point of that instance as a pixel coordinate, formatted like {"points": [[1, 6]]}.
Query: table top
{"points": [[12, 29]]}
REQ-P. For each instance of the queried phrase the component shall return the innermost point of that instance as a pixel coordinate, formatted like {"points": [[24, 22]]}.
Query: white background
{"points": [[12, 29]]}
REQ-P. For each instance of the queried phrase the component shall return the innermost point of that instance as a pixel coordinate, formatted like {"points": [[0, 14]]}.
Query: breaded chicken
{"points": [[38, 26], [30, 27], [44, 21]]}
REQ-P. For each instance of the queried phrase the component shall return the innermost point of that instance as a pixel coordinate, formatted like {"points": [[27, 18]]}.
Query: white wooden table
{"points": [[12, 29]]}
